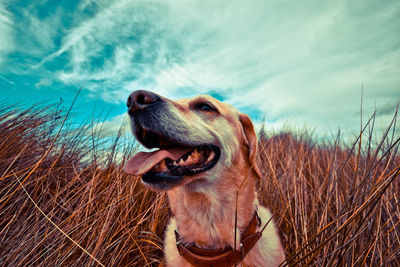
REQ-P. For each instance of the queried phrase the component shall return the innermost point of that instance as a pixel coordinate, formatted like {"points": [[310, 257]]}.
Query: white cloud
{"points": [[43, 82], [6, 80], [43, 31], [6, 33], [110, 127], [293, 61]]}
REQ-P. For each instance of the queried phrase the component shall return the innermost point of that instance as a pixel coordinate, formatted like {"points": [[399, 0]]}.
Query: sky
{"points": [[290, 62]]}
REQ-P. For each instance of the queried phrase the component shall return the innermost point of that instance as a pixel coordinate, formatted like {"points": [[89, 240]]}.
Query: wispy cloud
{"points": [[289, 61], [6, 80], [110, 127], [6, 33]]}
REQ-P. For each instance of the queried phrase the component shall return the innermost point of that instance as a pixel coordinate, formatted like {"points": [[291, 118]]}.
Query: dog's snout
{"points": [[141, 99]]}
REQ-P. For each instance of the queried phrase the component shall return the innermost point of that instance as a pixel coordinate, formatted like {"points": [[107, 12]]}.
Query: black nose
{"points": [[141, 99]]}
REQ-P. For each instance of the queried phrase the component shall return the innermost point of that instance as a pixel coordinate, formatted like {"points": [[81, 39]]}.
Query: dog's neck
{"points": [[207, 217]]}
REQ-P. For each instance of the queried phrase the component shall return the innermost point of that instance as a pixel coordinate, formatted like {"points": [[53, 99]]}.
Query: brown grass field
{"points": [[65, 201]]}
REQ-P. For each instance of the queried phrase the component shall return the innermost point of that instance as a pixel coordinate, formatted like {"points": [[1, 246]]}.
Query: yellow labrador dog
{"points": [[205, 159]]}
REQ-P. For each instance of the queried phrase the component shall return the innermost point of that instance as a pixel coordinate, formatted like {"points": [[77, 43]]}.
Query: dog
{"points": [[205, 159]]}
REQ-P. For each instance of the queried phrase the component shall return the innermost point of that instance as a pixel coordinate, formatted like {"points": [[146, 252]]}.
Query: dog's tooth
{"points": [[211, 156], [188, 161]]}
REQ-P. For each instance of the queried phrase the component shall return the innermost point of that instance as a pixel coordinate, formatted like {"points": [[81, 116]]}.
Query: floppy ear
{"points": [[251, 142]]}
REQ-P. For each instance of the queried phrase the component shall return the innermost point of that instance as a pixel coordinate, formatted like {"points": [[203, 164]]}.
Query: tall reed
{"points": [[64, 199]]}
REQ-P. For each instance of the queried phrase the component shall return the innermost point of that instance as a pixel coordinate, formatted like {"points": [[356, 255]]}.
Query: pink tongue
{"points": [[142, 162]]}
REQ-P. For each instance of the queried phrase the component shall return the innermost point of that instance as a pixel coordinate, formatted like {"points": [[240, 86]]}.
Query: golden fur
{"points": [[203, 205]]}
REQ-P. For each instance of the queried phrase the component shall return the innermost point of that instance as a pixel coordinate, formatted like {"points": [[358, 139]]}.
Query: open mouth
{"points": [[172, 160], [198, 159]]}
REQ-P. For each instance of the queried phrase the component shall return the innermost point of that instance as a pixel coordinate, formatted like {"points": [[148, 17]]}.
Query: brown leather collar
{"points": [[224, 257]]}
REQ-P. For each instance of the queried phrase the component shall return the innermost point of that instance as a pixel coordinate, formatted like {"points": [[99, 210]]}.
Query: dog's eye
{"points": [[205, 107]]}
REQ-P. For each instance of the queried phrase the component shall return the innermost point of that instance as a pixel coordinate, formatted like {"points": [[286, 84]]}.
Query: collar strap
{"points": [[223, 257]]}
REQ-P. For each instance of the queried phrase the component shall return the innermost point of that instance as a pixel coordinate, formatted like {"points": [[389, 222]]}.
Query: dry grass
{"points": [[65, 201]]}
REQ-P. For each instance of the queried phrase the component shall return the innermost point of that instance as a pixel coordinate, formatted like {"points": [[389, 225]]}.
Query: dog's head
{"points": [[196, 140]]}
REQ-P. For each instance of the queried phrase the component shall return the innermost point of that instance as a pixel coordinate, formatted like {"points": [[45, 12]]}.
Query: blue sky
{"points": [[292, 61]]}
